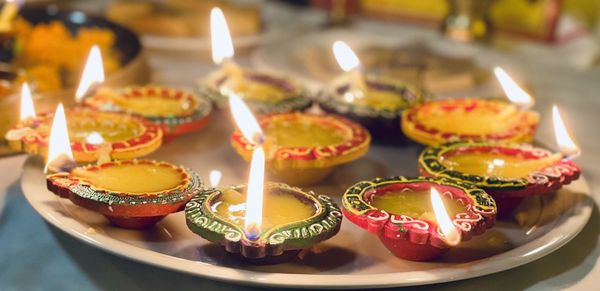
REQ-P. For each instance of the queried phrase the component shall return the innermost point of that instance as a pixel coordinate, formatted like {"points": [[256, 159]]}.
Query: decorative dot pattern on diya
{"points": [[124, 136], [438, 122], [176, 111], [263, 92], [207, 217], [509, 172], [379, 110], [302, 149], [130, 194], [397, 209]]}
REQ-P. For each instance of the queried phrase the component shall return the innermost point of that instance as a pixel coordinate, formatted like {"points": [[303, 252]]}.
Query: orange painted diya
{"points": [[130, 194], [303, 149], [122, 136], [176, 111], [508, 172], [442, 121]]}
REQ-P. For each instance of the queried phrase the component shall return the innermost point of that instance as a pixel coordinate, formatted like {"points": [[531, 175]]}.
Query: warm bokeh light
{"points": [[59, 146], [93, 73], [94, 138], [564, 139], [27, 107], [221, 43], [513, 92], [214, 177], [345, 56], [244, 119], [451, 234], [254, 194]]}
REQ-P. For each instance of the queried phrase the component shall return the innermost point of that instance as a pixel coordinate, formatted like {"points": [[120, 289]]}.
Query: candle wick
{"points": [[253, 232]]}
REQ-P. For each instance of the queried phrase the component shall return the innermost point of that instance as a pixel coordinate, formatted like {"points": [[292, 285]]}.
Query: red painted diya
{"points": [[123, 136], [130, 194], [438, 122], [303, 149], [398, 210], [264, 93], [508, 172], [176, 111]]}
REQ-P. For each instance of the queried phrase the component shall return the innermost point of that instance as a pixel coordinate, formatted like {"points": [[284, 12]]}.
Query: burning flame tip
{"points": [[221, 42], [564, 139], [512, 90], [93, 73], [27, 106], [345, 56], [59, 146], [451, 235]]}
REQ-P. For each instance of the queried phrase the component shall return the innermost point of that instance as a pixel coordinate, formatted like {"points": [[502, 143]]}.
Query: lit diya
{"points": [[263, 92], [130, 194], [509, 172], [413, 220], [262, 225], [375, 102], [94, 134], [176, 111], [442, 121], [303, 149], [292, 220]]}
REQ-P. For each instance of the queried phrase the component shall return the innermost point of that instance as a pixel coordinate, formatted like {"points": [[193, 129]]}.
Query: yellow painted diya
{"points": [[130, 194], [438, 122], [303, 149], [176, 111], [378, 108], [508, 172], [292, 220], [262, 92], [116, 135], [399, 211]]}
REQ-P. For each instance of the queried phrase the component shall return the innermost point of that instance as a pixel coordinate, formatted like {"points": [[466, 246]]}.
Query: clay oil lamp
{"points": [[261, 223], [264, 92], [303, 149], [130, 194], [419, 219], [176, 111], [376, 102], [509, 172], [442, 121], [95, 135]]}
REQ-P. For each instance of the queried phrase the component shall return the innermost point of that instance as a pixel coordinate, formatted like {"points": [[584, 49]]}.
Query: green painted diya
{"points": [[292, 220], [379, 108], [130, 194], [262, 92]]}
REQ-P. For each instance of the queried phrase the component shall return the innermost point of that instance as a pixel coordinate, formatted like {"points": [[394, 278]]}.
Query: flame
{"points": [[244, 119], [59, 145], [564, 139], [344, 56], [254, 194], [27, 107], [514, 93], [93, 73], [94, 138], [215, 177], [451, 235], [221, 43]]}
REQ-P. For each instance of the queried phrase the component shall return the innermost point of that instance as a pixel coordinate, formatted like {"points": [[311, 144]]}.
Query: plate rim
{"points": [[254, 278]]}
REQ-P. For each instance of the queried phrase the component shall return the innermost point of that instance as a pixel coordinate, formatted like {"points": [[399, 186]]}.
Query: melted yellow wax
{"points": [[259, 91], [302, 133], [279, 208], [494, 164], [154, 105], [132, 179], [416, 204], [380, 99], [489, 116]]}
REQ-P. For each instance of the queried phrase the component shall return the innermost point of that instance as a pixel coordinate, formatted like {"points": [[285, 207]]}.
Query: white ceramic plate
{"points": [[352, 259]]}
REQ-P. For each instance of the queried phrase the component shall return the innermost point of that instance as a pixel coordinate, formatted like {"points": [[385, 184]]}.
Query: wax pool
{"points": [[302, 133], [493, 164], [278, 208], [154, 105], [416, 204], [380, 99], [131, 178]]}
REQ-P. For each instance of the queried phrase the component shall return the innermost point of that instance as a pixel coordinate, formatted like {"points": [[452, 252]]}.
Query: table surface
{"points": [[36, 256]]}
